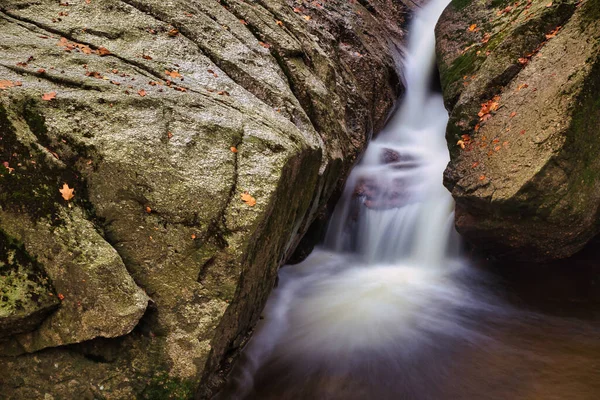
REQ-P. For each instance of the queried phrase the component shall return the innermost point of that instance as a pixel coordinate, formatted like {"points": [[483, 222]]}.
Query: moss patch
{"points": [[163, 387], [26, 294]]}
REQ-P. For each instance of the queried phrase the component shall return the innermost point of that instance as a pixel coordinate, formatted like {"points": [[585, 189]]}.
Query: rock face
{"points": [[522, 84], [161, 115]]}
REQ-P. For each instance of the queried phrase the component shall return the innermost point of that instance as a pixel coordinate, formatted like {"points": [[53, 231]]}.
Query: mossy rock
{"points": [[26, 294], [526, 185]]}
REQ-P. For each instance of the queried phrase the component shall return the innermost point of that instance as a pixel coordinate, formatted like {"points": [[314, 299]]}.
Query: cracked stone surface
{"points": [[527, 182], [165, 113]]}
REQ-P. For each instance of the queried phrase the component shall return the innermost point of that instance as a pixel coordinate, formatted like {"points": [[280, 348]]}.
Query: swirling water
{"points": [[388, 308]]}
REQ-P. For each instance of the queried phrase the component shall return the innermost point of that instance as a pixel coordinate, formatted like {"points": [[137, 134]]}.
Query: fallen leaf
{"points": [[61, 296], [142, 92], [102, 51], [233, 149], [173, 74], [243, 22], [173, 32], [148, 209], [5, 84], [513, 114], [94, 74], [246, 198], [41, 71], [472, 28], [461, 143], [474, 165], [169, 135], [306, 17], [522, 86], [193, 236], [66, 192], [49, 96], [482, 177], [522, 132], [146, 57], [279, 23], [553, 33]]}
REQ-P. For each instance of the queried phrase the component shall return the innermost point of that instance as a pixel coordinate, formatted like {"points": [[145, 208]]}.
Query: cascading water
{"points": [[387, 309]]}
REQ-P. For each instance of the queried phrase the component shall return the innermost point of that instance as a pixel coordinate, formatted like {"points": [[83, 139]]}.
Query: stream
{"points": [[388, 308]]}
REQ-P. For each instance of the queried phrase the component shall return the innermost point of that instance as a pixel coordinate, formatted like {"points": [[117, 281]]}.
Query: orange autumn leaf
{"points": [[248, 199], [553, 33], [173, 32], [148, 209], [513, 114], [482, 177], [233, 149], [102, 51], [5, 84], [306, 17], [194, 236], [142, 92], [173, 74], [61, 296], [66, 192], [472, 28], [49, 96]]}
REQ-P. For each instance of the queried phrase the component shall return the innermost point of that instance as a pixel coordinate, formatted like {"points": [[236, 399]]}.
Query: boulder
{"points": [[160, 161], [521, 82]]}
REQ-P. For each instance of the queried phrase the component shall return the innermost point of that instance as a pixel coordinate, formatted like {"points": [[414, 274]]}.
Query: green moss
{"points": [[583, 145], [460, 4], [26, 294], [163, 387], [590, 13], [465, 64]]}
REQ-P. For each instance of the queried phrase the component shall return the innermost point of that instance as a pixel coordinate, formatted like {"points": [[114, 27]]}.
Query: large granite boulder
{"points": [[522, 83], [159, 160]]}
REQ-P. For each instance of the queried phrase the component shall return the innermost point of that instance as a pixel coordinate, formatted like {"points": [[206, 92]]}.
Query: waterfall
{"points": [[395, 207], [382, 283]]}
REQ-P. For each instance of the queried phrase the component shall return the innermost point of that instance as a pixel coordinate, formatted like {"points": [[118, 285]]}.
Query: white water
{"points": [[382, 284], [388, 309]]}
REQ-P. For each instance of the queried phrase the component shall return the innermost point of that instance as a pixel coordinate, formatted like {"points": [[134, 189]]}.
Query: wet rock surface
{"points": [[521, 83], [160, 115]]}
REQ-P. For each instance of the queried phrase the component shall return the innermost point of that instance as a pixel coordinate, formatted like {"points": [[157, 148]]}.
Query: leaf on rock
{"points": [[49, 96], [173, 74], [472, 28], [233, 149], [66, 192], [248, 199], [142, 92], [5, 84], [102, 51]]}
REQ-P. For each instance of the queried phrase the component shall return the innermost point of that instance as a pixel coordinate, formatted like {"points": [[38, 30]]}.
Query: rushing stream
{"points": [[388, 309]]}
